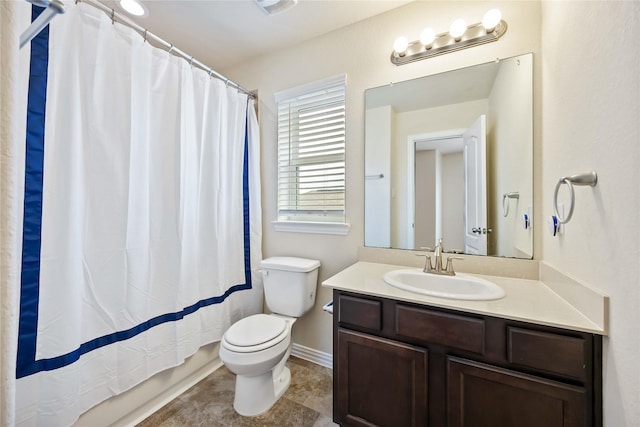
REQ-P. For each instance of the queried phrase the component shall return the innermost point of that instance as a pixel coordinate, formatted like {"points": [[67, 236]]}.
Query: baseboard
{"points": [[312, 355]]}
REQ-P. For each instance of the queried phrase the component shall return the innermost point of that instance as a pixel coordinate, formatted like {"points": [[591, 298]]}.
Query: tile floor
{"points": [[307, 402]]}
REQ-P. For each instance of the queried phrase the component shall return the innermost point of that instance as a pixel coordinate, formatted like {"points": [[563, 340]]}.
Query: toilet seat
{"points": [[255, 333]]}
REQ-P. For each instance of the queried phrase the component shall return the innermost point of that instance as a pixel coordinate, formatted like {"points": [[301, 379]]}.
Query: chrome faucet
{"points": [[437, 268]]}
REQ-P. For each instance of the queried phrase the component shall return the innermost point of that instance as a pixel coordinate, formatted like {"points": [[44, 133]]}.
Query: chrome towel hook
{"points": [[590, 179], [505, 198]]}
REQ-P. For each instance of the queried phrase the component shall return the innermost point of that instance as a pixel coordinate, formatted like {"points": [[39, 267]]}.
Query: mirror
{"points": [[450, 156]]}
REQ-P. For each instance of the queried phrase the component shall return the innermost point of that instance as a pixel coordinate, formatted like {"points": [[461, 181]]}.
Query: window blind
{"points": [[311, 153]]}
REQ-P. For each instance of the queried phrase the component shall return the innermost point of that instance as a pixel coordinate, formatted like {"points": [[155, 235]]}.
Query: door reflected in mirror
{"points": [[441, 154]]}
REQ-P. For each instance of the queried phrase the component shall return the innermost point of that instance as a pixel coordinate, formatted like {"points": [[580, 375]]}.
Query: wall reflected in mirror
{"points": [[450, 156]]}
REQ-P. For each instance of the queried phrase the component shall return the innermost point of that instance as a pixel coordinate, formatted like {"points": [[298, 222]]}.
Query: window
{"points": [[311, 152]]}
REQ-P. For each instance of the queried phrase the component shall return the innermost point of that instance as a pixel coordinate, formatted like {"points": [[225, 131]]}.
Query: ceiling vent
{"points": [[271, 7]]}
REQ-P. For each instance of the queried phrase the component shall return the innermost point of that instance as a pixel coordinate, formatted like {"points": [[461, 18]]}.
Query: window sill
{"points": [[336, 228]]}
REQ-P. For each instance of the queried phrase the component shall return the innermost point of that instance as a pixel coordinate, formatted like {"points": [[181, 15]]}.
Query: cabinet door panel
{"points": [[481, 395], [380, 382]]}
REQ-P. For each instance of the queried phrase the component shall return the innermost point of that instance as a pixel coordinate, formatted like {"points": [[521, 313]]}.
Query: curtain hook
{"points": [[170, 48], [191, 62], [210, 72], [113, 17], [226, 82], [145, 35]]}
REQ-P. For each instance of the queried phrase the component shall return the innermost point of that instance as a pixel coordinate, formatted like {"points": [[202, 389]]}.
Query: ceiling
{"points": [[222, 33]]}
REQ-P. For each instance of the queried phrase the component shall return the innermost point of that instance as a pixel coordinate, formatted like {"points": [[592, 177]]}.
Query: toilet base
{"points": [[256, 395]]}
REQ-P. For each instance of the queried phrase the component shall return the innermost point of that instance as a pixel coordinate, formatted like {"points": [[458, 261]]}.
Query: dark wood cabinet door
{"points": [[481, 395], [380, 382]]}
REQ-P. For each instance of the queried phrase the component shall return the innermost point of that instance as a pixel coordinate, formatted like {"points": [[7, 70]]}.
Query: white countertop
{"points": [[526, 300]]}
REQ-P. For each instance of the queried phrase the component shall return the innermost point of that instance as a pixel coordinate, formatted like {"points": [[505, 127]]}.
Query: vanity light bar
{"points": [[474, 35]]}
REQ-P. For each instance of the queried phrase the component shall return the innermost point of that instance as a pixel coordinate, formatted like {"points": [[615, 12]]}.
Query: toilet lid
{"points": [[255, 330]]}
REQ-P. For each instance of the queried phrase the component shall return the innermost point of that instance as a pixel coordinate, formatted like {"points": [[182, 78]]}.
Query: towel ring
{"points": [[505, 198], [590, 179]]}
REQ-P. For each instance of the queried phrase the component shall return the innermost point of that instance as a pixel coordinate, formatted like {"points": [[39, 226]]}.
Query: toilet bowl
{"points": [[257, 347]]}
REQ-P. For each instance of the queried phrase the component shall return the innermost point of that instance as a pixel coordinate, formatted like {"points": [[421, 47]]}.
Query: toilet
{"points": [[257, 347]]}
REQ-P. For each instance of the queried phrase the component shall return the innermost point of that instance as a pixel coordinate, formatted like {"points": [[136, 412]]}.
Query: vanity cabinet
{"points": [[403, 364]]}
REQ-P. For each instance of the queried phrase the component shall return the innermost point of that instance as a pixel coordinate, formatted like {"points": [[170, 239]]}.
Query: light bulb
{"points": [[457, 29], [134, 7], [400, 45], [427, 37], [491, 19]]}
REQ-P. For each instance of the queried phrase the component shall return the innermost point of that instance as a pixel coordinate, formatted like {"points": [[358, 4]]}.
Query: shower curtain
{"points": [[141, 223]]}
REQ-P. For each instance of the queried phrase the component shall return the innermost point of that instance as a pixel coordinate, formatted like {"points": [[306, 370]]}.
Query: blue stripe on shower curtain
{"points": [[31, 246], [32, 224]]}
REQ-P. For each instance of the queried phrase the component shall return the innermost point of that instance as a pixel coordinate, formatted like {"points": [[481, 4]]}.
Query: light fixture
{"points": [[457, 29], [491, 19], [271, 7], [459, 36], [427, 37], [400, 46], [133, 7]]}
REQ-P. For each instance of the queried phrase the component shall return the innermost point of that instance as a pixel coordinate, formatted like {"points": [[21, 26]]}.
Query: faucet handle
{"points": [[427, 263], [449, 268], [426, 248]]}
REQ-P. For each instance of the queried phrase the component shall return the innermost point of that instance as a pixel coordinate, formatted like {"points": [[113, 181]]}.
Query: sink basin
{"points": [[460, 286]]}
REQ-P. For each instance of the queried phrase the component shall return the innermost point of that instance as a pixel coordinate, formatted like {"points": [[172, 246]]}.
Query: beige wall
{"points": [[591, 120], [362, 52]]}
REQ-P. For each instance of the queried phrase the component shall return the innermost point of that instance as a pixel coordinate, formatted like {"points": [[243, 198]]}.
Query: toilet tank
{"points": [[290, 284]]}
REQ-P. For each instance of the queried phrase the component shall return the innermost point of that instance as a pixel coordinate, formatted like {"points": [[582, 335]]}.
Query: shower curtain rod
{"points": [[147, 35]]}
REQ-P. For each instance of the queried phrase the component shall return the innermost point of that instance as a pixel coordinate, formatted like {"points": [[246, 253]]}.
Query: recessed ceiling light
{"points": [[134, 7], [272, 7]]}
